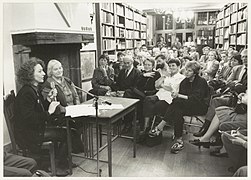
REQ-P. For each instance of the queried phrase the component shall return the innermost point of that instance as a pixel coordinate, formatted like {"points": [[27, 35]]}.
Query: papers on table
{"points": [[88, 109]]}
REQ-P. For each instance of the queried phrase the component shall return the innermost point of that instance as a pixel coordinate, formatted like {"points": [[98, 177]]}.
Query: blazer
{"points": [[98, 78], [128, 82], [46, 87], [235, 73], [30, 117]]}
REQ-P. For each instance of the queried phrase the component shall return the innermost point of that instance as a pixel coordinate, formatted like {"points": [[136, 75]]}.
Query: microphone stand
{"points": [[96, 98]]}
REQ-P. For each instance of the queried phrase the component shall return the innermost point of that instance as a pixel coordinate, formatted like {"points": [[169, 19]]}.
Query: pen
{"points": [[237, 128]]}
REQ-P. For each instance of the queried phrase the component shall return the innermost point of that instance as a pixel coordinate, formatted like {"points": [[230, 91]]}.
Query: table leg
{"points": [[109, 143], [69, 145], [134, 131]]}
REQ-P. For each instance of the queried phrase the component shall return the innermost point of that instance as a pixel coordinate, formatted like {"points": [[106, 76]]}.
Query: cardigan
{"points": [[30, 117], [197, 91]]}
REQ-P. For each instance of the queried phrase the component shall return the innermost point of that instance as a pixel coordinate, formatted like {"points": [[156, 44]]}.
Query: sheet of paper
{"points": [[112, 106], [165, 95], [80, 110]]}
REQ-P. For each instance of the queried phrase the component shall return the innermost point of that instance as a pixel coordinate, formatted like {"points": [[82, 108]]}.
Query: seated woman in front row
{"points": [[32, 112], [66, 95], [103, 77], [192, 99]]}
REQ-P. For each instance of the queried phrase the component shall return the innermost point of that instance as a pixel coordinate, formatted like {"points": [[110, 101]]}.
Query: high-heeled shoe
{"points": [[199, 143], [203, 129]]}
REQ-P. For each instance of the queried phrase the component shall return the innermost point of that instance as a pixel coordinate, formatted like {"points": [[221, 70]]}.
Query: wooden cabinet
{"points": [[231, 26], [119, 27]]}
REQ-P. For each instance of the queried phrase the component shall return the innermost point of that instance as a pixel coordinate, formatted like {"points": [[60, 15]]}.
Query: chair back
{"points": [[9, 118]]}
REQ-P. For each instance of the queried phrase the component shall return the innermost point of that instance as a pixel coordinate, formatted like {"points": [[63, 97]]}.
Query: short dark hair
{"points": [[174, 60], [237, 56], [120, 54], [25, 74]]}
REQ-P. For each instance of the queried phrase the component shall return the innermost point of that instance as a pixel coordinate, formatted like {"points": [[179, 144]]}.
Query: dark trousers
{"points": [[236, 153], [18, 166], [179, 108], [153, 106], [214, 103]]}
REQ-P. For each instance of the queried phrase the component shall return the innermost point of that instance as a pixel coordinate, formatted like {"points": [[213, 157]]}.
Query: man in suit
{"points": [[238, 76], [128, 76], [127, 79]]}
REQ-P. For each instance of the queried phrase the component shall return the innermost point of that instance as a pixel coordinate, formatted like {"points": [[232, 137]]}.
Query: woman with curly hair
{"points": [[32, 112]]}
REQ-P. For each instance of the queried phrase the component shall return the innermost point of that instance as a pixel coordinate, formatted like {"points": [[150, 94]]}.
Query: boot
{"points": [[203, 129]]}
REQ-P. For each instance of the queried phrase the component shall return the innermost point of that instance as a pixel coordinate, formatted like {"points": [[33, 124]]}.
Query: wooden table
{"points": [[108, 118]]}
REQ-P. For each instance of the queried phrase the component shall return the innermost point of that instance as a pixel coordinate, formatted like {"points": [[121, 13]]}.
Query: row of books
{"points": [[107, 17], [107, 31], [108, 44], [107, 6]]}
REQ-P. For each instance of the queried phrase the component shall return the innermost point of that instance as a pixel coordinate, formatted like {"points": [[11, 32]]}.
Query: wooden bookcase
{"points": [[231, 26], [119, 27]]}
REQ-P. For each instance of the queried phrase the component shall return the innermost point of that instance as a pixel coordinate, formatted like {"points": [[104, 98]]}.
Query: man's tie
{"points": [[126, 72], [244, 76]]}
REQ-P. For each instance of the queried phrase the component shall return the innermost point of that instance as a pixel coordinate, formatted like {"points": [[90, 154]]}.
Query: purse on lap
{"points": [[153, 140]]}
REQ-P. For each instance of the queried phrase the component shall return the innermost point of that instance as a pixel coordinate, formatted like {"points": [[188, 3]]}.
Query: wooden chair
{"points": [[9, 117]]}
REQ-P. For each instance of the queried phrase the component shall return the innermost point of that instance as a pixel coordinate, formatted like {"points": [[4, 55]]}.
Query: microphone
{"points": [[95, 96], [53, 87]]}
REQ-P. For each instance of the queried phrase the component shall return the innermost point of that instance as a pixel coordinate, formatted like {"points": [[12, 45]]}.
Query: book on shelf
{"points": [[241, 39], [128, 13], [234, 18], [107, 17], [242, 27], [120, 10], [108, 31], [233, 29], [107, 6], [108, 44]]}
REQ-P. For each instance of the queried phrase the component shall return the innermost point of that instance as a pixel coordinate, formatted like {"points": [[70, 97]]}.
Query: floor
{"points": [[156, 161]]}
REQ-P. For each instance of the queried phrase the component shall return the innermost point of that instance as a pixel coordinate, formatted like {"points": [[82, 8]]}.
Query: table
{"points": [[107, 118]]}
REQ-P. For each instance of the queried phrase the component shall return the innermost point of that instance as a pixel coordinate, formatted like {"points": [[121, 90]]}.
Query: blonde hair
{"points": [[50, 66]]}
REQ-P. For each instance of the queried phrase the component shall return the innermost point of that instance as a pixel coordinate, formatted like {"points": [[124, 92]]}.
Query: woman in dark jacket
{"points": [[192, 99], [145, 87], [32, 112], [103, 78]]}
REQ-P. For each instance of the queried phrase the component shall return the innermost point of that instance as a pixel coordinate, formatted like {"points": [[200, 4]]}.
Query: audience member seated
{"points": [[156, 52], [161, 42], [223, 59], [224, 114], [66, 95], [204, 56], [177, 43], [118, 65], [194, 54], [145, 86], [189, 42], [32, 113], [238, 86], [127, 79], [236, 148], [211, 67], [157, 104], [164, 52], [161, 65], [103, 78], [191, 99], [18, 166]]}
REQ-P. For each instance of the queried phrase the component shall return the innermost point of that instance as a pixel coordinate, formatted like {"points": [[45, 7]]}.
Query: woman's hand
{"points": [[52, 106], [52, 95], [149, 74], [238, 141]]}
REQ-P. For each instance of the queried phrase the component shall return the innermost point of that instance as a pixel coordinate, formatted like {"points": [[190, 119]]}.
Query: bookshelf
{"points": [[231, 26], [119, 27]]}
